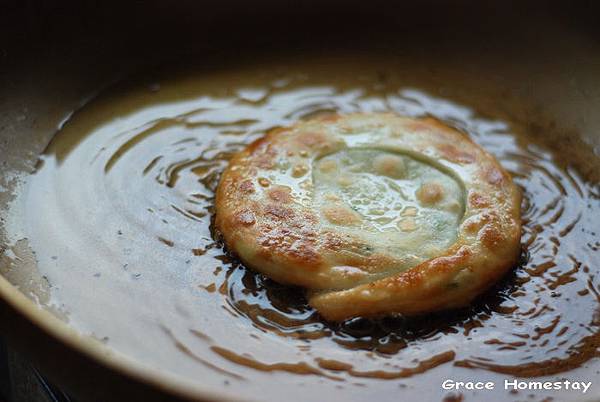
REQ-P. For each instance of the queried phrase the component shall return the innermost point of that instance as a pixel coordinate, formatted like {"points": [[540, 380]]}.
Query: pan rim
{"points": [[108, 358]]}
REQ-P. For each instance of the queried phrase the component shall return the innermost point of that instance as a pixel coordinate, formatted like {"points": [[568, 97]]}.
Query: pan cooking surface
{"points": [[118, 214]]}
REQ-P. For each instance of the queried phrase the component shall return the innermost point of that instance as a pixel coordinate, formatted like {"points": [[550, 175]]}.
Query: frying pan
{"points": [[57, 55]]}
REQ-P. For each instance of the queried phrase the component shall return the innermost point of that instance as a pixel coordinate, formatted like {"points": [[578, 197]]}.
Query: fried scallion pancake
{"points": [[372, 213]]}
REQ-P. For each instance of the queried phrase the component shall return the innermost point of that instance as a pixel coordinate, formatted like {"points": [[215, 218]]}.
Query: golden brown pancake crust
{"points": [[284, 206]]}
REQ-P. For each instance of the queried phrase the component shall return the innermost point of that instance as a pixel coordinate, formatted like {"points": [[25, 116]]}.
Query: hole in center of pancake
{"points": [[389, 200]]}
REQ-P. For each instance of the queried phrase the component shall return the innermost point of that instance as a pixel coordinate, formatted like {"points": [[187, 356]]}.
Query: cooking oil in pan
{"points": [[119, 216]]}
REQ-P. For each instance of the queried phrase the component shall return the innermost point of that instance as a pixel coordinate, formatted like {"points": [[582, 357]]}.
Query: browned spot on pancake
{"points": [[265, 161], [493, 175], [490, 236], [299, 170], [309, 218], [374, 262], [430, 193], [263, 154], [341, 215], [332, 241], [306, 255], [473, 224], [264, 182], [448, 262], [279, 211], [389, 165], [265, 253], [291, 245], [246, 187], [280, 194], [454, 154], [245, 218], [477, 200]]}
